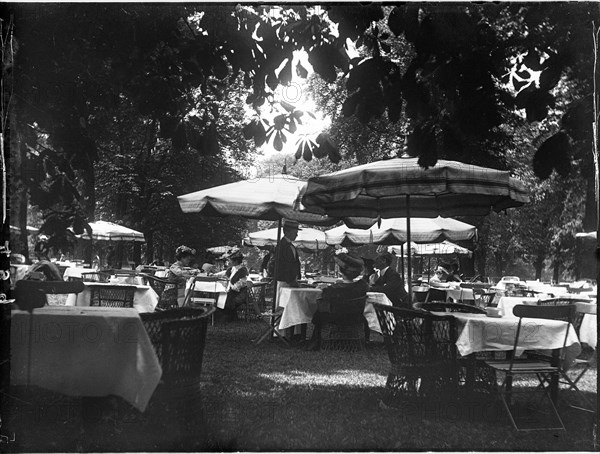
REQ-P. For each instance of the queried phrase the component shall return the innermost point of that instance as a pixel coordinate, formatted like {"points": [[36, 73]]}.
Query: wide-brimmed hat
{"points": [[182, 251], [290, 223], [237, 254], [349, 261]]}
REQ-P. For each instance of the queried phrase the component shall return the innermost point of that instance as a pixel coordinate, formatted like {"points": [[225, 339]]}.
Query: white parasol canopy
{"points": [[269, 198], [15, 229], [394, 231], [445, 248], [308, 239], [108, 231], [592, 235]]}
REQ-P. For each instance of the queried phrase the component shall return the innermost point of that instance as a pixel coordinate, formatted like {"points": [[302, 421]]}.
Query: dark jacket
{"points": [[392, 285], [287, 267], [344, 291], [340, 302]]}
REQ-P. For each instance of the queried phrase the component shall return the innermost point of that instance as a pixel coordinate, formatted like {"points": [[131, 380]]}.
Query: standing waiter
{"points": [[287, 262]]}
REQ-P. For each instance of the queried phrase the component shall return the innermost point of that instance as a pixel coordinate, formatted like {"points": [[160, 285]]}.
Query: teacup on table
{"points": [[493, 312]]}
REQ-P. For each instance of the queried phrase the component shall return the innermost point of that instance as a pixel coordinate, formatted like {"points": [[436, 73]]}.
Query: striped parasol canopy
{"points": [[399, 187], [308, 239], [269, 198], [393, 187], [394, 231]]}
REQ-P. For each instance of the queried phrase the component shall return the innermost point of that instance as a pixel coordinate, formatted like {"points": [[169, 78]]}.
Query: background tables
{"points": [[507, 303], [145, 298], [75, 272], [300, 304], [92, 351]]}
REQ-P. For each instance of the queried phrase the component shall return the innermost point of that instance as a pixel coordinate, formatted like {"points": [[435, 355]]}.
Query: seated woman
{"points": [[179, 273], [237, 289], [43, 269], [350, 266], [440, 277], [454, 273]]}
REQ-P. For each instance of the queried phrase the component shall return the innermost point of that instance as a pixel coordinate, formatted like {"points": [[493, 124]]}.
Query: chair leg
{"points": [[507, 395], [573, 385]]}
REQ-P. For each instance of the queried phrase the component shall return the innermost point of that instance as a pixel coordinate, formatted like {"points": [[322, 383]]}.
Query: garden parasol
{"points": [[108, 231], [268, 198], [399, 187], [308, 239], [443, 249], [394, 231]]}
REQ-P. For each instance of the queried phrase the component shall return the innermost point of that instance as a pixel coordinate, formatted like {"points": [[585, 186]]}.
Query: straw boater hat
{"points": [[349, 262], [290, 223]]}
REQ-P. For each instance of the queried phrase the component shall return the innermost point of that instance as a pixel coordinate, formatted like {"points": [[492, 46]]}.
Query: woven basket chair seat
{"points": [[422, 352], [96, 276], [112, 295]]}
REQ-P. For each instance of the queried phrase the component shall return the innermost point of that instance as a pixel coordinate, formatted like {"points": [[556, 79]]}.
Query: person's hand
{"points": [[373, 279]]}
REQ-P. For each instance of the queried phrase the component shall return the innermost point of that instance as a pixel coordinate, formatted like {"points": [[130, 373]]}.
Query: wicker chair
{"points": [[179, 339], [422, 351], [561, 301], [449, 307], [166, 291], [95, 276], [112, 295], [344, 328], [255, 302]]}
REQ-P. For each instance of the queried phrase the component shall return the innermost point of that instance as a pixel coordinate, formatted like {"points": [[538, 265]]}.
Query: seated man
{"points": [[388, 281], [343, 295]]}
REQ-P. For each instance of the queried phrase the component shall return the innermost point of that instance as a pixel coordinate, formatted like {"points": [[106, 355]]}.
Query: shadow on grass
{"points": [[268, 397]]}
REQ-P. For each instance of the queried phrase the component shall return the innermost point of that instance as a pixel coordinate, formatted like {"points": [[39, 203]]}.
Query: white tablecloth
{"points": [[507, 303], [92, 351], [300, 304], [145, 298], [217, 287], [456, 293], [76, 272], [479, 333], [588, 332]]}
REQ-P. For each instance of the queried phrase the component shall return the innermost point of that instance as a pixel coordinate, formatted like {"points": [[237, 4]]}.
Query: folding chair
{"points": [[546, 372], [586, 359]]}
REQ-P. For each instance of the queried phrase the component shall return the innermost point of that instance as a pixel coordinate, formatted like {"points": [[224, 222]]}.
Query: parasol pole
{"points": [[402, 259], [408, 249]]}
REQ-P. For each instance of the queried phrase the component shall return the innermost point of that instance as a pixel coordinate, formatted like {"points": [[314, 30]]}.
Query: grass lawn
{"points": [[269, 397]]}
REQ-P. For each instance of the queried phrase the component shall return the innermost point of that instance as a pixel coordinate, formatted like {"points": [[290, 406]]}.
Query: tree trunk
{"points": [[539, 266], [556, 272]]}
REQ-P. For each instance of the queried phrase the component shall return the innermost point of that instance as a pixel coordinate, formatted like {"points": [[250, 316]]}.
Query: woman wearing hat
{"points": [[347, 290], [237, 289], [179, 273]]}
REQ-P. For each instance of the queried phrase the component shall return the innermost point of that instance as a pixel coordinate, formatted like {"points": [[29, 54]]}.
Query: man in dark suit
{"points": [[287, 262], [388, 281]]}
